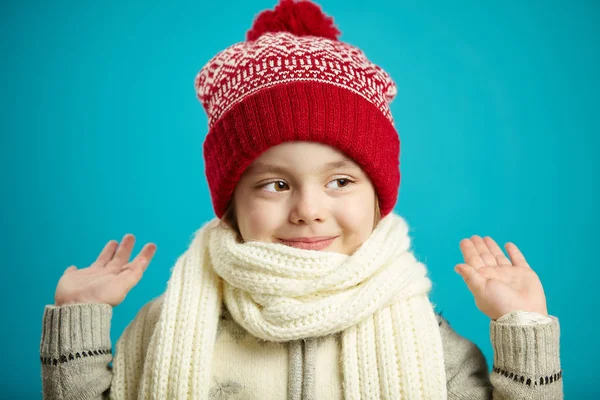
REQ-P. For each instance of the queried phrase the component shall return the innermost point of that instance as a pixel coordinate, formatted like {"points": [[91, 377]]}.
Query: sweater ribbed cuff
{"points": [[75, 328], [527, 350]]}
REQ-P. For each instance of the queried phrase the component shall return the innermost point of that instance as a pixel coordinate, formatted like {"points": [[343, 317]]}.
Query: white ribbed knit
{"points": [[391, 343]]}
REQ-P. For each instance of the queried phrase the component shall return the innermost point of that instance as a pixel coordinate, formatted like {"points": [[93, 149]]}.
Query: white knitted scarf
{"points": [[378, 297]]}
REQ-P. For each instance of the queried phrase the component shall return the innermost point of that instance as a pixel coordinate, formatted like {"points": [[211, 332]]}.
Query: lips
{"points": [[309, 243]]}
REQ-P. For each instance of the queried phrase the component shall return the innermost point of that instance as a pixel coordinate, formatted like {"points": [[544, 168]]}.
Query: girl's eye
{"points": [[343, 182], [279, 186]]}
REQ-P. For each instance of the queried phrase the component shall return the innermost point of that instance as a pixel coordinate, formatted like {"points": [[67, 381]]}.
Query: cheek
{"points": [[256, 221], [356, 215]]}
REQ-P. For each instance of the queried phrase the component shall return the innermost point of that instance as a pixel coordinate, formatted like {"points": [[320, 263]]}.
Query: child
{"points": [[304, 286]]}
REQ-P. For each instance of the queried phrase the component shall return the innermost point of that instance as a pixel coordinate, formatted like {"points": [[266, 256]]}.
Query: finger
{"points": [[142, 260], [131, 275], [517, 258], [484, 252], [123, 252], [107, 253], [496, 251], [474, 280], [470, 253]]}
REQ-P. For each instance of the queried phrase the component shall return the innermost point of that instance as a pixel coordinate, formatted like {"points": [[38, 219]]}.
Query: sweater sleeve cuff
{"points": [[528, 350], [75, 327], [524, 318]]}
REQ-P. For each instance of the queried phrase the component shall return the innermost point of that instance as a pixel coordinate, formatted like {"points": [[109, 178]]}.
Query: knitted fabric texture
{"points": [[284, 87], [377, 298]]}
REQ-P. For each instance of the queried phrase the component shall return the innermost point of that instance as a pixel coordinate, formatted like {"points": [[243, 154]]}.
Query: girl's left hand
{"points": [[499, 285]]}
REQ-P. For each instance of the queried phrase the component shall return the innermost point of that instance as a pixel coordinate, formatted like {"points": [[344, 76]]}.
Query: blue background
{"points": [[497, 109]]}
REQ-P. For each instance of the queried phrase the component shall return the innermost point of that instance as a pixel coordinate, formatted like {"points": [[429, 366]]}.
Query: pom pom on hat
{"points": [[301, 18]]}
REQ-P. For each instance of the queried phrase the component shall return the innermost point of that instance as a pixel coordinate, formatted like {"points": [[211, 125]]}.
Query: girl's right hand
{"points": [[108, 279]]}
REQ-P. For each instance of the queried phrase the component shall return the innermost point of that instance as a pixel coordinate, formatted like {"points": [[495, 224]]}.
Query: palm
{"points": [[108, 279], [500, 285], [92, 285]]}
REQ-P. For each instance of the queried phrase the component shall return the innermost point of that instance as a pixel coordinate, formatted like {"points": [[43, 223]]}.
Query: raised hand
{"points": [[109, 278], [499, 285]]}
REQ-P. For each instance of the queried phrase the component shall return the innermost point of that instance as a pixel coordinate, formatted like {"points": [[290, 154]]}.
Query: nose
{"points": [[308, 206]]}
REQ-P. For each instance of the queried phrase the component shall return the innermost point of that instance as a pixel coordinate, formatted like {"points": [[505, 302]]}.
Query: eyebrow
{"points": [[260, 167]]}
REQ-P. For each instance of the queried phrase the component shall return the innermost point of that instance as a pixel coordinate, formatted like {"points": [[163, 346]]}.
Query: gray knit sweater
{"points": [[75, 353]]}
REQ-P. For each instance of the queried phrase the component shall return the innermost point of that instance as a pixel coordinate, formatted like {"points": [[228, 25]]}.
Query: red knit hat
{"points": [[293, 80]]}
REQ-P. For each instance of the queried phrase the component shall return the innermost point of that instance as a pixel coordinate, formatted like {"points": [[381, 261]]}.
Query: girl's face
{"points": [[307, 195]]}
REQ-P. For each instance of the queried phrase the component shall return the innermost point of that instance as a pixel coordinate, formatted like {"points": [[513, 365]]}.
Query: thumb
{"points": [[70, 269], [474, 280]]}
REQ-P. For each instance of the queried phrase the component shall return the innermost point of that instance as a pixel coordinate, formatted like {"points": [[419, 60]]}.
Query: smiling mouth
{"points": [[309, 244]]}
